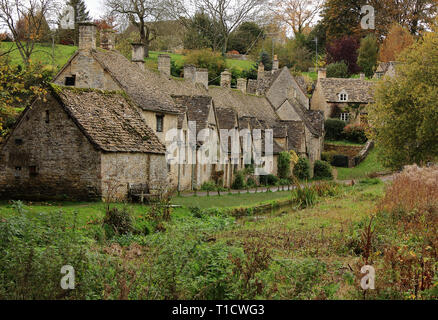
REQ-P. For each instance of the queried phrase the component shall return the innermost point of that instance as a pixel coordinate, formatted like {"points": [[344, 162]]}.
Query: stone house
{"points": [[80, 144], [385, 69], [345, 99]]}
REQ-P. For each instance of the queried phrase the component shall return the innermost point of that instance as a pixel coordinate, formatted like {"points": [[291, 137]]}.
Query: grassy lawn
{"points": [[370, 165], [42, 53], [344, 143], [179, 59], [230, 201]]}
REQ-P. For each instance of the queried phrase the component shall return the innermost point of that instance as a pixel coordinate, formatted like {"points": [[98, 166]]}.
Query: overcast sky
{"points": [[95, 7]]}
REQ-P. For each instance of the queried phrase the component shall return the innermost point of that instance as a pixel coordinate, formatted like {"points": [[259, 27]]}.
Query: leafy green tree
{"points": [[368, 52], [266, 59], [405, 114], [201, 33], [208, 59], [245, 36], [284, 165], [337, 70]]}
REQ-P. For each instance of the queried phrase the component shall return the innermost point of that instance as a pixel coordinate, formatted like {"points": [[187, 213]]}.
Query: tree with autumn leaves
{"points": [[405, 114]]}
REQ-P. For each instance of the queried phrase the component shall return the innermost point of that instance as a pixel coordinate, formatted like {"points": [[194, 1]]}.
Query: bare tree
{"points": [[33, 13], [228, 15], [296, 14], [142, 14]]}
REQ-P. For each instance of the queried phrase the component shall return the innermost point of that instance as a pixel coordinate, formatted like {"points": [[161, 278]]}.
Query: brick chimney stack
{"points": [[87, 36], [190, 72], [202, 77], [275, 64], [108, 39], [242, 84], [226, 79], [261, 71]]}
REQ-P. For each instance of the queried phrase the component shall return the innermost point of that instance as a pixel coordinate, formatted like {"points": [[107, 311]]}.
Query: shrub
{"points": [[334, 129], [269, 180], [355, 133], [337, 70], [251, 183], [322, 170], [206, 58], [118, 221], [302, 169], [208, 186], [328, 156], [239, 181], [175, 69], [283, 165], [304, 196]]}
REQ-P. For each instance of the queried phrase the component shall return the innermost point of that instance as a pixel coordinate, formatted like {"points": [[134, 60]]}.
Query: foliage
{"points": [[245, 37], [334, 129], [322, 170], [202, 33], [367, 58], [305, 196], [239, 181], [344, 49], [397, 40], [206, 58], [295, 56], [340, 160], [302, 169], [18, 88], [337, 70], [404, 116], [328, 156], [118, 222], [269, 180], [355, 133], [266, 59], [284, 168]]}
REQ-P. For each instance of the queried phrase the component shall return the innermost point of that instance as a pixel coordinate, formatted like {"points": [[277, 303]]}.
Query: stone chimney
{"points": [[87, 36], [362, 76], [107, 39], [138, 54], [322, 73], [164, 64], [261, 71], [242, 84], [226, 79], [202, 77], [275, 64], [190, 72]]}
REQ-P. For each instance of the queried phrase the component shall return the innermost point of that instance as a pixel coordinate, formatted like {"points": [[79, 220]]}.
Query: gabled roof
{"points": [[108, 120], [226, 118], [359, 91], [147, 94], [198, 109], [295, 134]]}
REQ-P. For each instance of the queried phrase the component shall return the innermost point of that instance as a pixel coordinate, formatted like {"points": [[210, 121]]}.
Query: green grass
{"points": [[231, 201], [370, 165], [179, 59], [344, 143], [41, 54]]}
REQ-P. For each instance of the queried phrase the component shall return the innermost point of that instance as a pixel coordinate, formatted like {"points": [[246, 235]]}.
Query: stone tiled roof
{"points": [[109, 120], [198, 109], [245, 105], [295, 134], [146, 93], [226, 118], [359, 91]]}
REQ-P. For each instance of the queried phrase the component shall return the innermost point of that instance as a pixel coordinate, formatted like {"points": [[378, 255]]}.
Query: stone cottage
{"points": [[80, 144], [345, 99]]}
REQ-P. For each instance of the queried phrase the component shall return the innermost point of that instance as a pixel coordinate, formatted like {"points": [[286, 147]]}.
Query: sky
{"points": [[95, 7]]}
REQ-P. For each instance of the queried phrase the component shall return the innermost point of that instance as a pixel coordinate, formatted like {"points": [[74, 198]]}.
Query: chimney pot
{"points": [[108, 39], [87, 36]]}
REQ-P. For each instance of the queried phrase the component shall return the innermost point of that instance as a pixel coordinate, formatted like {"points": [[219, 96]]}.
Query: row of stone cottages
{"points": [[101, 128]]}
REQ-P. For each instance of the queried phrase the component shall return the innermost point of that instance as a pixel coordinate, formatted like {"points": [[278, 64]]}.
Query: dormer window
{"points": [[70, 81], [343, 96]]}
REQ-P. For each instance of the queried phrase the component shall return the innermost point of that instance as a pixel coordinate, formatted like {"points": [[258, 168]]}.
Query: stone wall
{"points": [[48, 157], [350, 151]]}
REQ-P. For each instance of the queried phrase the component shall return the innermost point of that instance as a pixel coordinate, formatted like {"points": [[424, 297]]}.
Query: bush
{"points": [[118, 221], [251, 183], [269, 180], [305, 197], [284, 165], [302, 169], [206, 58], [334, 129], [337, 70], [328, 156], [208, 186], [239, 181], [175, 69], [340, 160], [355, 133], [322, 170]]}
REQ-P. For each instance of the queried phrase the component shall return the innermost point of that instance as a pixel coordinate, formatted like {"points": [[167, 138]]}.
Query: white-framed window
{"points": [[343, 96], [345, 116]]}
